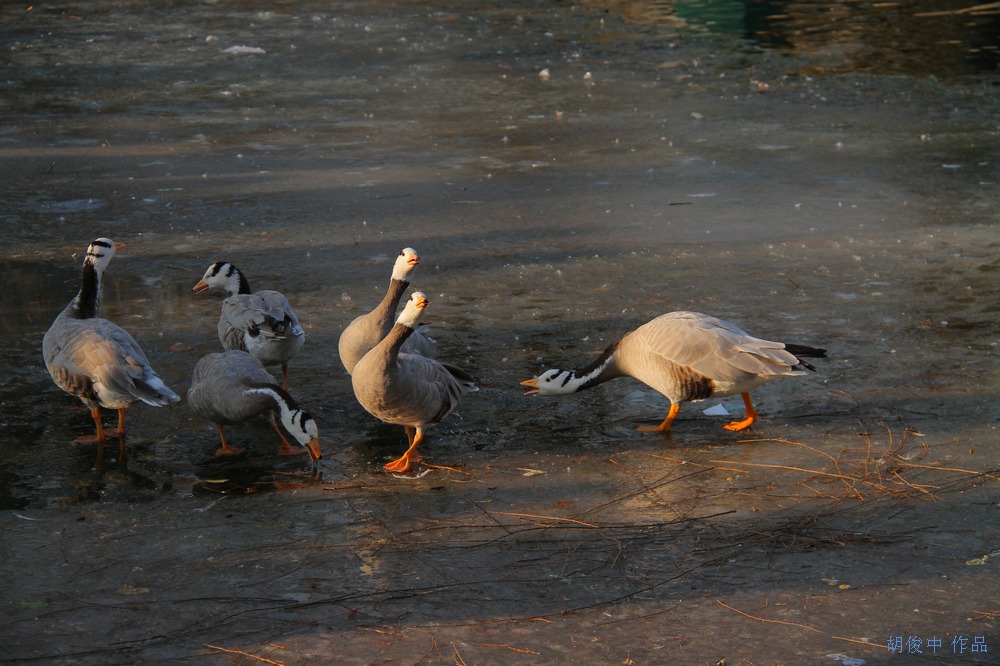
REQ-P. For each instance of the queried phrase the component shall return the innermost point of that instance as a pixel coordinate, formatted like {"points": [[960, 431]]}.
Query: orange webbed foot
{"points": [[653, 429], [739, 426], [665, 425], [399, 465], [90, 439], [649, 428]]}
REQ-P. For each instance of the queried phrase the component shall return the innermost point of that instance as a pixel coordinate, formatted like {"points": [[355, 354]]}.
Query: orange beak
{"points": [[119, 246], [413, 260], [533, 383], [312, 447], [422, 303], [200, 287]]}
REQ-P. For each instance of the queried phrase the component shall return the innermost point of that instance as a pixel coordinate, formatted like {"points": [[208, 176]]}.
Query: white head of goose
{"points": [[366, 330], [406, 389], [261, 323], [686, 356], [233, 387], [95, 359]]}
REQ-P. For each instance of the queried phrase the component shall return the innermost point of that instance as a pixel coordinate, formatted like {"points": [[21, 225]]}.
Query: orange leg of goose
{"points": [[121, 421], [284, 375], [739, 426], [285, 449], [402, 463], [665, 426], [226, 450], [95, 413], [121, 434]]}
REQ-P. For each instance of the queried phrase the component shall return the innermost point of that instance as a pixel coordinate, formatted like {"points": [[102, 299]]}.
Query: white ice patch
{"points": [[244, 50], [716, 410], [847, 661]]}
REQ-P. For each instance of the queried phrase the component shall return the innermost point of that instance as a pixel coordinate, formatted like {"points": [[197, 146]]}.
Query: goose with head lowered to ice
{"points": [[95, 359], [686, 356], [233, 387], [262, 323], [367, 330], [406, 389]]}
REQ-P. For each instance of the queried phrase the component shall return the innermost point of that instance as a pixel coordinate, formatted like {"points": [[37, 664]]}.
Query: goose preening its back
{"points": [[406, 389], [362, 334], [95, 359], [232, 387], [261, 323], [686, 356]]}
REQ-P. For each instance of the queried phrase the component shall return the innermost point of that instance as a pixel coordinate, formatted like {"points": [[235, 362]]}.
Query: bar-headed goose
{"points": [[261, 323], [406, 389], [362, 334], [95, 359], [232, 387], [686, 356]]}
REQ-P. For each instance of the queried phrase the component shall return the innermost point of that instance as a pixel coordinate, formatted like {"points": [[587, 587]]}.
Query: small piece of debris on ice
{"points": [[716, 410], [242, 50], [847, 661]]}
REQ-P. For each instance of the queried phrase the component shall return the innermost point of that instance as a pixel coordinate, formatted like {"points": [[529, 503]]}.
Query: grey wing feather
{"points": [[218, 385], [715, 348], [420, 342], [265, 312], [429, 388], [100, 357], [278, 317]]}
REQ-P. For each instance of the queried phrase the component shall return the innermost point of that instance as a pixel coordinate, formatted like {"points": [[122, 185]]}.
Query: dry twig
{"points": [[244, 654]]}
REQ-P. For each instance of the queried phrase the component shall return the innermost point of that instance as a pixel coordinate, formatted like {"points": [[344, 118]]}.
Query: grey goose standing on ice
{"points": [[95, 359], [261, 323], [406, 389]]}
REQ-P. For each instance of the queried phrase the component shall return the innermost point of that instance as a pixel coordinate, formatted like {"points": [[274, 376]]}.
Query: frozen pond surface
{"points": [[567, 172]]}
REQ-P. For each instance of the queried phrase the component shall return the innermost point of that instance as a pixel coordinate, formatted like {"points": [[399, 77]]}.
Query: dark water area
{"points": [[941, 38], [823, 174]]}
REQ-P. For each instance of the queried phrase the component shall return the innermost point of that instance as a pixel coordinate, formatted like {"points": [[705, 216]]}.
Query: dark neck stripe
{"points": [[88, 301], [244, 283], [599, 361], [282, 393]]}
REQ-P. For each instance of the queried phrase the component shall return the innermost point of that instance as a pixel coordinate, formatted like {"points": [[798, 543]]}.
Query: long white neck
{"points": [[571, 381], [291, 417]]}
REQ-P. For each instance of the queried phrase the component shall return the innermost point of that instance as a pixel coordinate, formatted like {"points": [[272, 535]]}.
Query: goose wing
{"points": [[265, 312], [98, 360], [218, 387], [715, 348], [279, 319], [420, 342], [421, 391]]}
